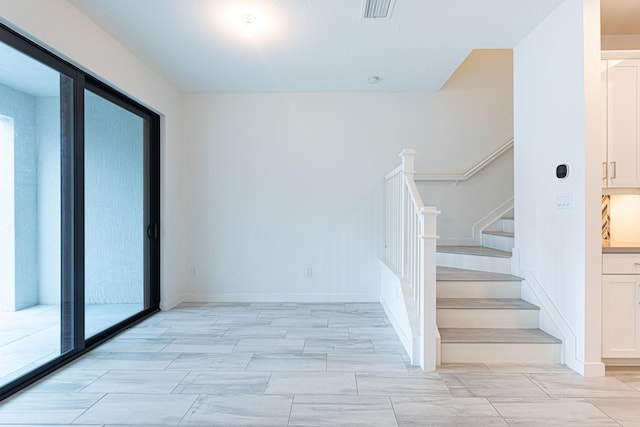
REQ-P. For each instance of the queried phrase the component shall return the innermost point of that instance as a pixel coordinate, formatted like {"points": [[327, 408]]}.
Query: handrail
{"points": [[468, 174]]}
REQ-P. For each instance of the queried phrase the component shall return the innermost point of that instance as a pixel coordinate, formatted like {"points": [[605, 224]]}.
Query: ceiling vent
{"points": [[376, 9]]}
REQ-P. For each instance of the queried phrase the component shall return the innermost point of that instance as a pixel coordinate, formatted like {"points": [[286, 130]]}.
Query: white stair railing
{"points": [[411, 249]]}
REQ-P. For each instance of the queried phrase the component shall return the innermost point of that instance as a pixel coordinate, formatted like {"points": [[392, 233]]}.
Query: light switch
{"points": [[564, 201]]}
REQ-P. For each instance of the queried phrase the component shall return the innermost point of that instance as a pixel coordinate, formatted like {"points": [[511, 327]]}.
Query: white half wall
{"points": [[280, 183], [66, 31], [556, 120]]}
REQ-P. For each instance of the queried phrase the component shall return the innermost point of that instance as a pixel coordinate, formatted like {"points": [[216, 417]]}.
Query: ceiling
{"points": [[311, 45]]}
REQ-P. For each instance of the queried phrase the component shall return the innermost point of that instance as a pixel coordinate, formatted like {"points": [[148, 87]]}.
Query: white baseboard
{"points": [[594, 369], [621, 362], [277, 297], [168, 304], [489, 219], [551, 319], [476, 229]]}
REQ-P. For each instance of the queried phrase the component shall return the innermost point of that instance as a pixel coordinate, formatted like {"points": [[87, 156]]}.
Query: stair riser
{"points": [[508, 225], [501, 353], [502, 243], [490, 318], [474, 262], [480, 289]]}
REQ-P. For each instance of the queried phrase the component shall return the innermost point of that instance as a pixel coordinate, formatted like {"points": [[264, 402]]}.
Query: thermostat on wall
{"points": [[562, 171]]}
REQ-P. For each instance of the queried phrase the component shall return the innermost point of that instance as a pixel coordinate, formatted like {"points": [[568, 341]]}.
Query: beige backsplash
{"points": [[621, 218]]}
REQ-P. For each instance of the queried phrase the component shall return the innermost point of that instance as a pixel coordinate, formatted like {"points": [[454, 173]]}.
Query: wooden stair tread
{"points": [[474, 250], [494, 336], [499, 233], [485, 304], [450, 274]]}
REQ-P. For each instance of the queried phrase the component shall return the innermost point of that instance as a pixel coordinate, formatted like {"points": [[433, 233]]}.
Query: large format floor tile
{"points": [[46, 408], [445, 411], [573, 385], [560, 412], [141, 409], [317, 364], [342, 411], [240, 411], [401, 384], [500, 385], [136, 382]]}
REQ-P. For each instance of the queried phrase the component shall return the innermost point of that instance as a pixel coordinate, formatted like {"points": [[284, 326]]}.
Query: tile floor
{"points": [[31, 337], [304, 365]]}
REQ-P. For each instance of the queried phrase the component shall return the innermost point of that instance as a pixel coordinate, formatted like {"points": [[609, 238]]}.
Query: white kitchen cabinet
{"points": [[621, 306], [621, 155]]}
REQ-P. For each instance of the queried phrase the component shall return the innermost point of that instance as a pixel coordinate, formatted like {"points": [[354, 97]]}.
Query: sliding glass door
{"points": [[114, 215], [79, 212], [32, 321]]}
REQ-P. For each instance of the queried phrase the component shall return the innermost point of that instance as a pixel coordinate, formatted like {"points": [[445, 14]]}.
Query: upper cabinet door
{"points": [[623, 118]]}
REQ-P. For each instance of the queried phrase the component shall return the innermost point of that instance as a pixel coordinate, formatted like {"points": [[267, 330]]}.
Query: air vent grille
{"points": [[376, 9]]}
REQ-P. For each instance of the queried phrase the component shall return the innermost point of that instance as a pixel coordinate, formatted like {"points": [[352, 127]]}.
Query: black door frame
{"points": [[72, 340]]}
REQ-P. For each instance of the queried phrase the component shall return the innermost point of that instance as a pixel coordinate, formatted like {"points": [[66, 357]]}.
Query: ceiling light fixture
{"points": [[373, 80], [248, 19], [249, 26]]}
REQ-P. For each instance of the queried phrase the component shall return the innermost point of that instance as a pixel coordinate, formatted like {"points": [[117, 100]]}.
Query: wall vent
{"points": [[376, 9]]}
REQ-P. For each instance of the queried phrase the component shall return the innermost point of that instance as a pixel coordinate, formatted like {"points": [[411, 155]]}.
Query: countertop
{"points": [[620, 247]]}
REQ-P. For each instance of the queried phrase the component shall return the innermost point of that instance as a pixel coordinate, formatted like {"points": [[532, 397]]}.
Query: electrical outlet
{"points": [[193, 272], [309, 272]]}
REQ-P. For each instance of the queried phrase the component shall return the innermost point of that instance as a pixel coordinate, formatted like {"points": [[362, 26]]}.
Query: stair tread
{"points": [[450, 274], [499, 233], [485, 304], [490, 335], [474, 250]]}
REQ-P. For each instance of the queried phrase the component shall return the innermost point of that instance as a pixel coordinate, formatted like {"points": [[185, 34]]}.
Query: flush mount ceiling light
{"points": [[376, 9], [248, 25], [373, 80], [248, 19]]}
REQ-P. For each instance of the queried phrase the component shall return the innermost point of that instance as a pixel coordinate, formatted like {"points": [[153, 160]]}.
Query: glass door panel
{"points": [[114, 217], [34, 308]]}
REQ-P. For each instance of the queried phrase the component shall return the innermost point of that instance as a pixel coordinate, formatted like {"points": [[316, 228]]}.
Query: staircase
{"points": [[479, 312]]}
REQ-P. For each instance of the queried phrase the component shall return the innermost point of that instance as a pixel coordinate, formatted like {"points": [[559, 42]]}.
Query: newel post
{"points": [[408, 161], [428, 328]]}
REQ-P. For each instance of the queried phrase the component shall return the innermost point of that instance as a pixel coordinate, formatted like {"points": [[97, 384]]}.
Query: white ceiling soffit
{"points": [[311, 45], [375, 9]]}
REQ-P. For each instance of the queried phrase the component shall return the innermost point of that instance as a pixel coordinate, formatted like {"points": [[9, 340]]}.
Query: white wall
{"points": [[309, 168], [64, 29], [464, 204], [556, 120], [283, 182]]}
